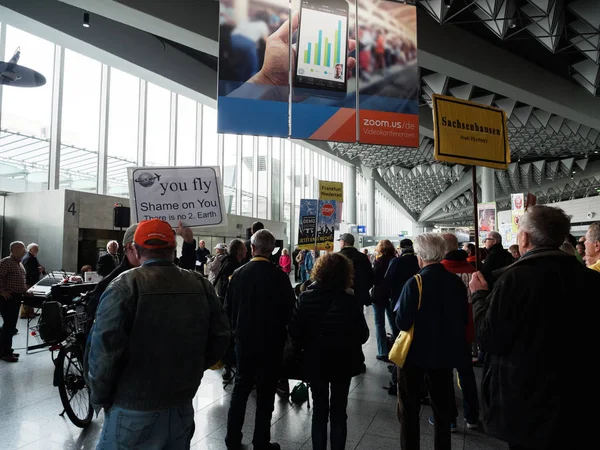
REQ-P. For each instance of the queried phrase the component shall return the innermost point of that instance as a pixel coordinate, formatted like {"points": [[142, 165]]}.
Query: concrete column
{"points": [[370, 206], [487, 185], [349, 208]]}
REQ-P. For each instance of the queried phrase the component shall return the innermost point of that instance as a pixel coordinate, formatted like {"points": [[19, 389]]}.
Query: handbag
{"points": [[400, 349]]}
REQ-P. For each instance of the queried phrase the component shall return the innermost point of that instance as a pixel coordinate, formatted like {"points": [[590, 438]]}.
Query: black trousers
{"points": [[333, 409], [247, 376], [437, 383], [9, 308]]}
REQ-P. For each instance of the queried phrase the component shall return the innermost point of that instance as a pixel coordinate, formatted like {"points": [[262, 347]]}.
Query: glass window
{"points": [[186, 131], [24, 159], [124, 99], [276, 179], [263, 178], [247, 174], [210, 142], [230, 171], [287, 180], [80, 122], [158, 123]]}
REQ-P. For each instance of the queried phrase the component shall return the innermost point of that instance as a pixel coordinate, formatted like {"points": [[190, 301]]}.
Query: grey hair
{"points": [[30, 246], [111, 243], [264, 241], [594, 232], [545, 225], [496, 236], [16, 244], [430, 247]]}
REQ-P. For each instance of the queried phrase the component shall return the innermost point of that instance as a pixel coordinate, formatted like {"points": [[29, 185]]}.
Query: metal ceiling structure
{"points": [[558, 25]]}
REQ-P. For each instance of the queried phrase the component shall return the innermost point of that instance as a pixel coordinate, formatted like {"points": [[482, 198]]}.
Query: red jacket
{"points": [[456, 262], [285, 261]]}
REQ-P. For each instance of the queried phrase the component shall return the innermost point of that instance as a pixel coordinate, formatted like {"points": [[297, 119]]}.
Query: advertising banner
{"points": [[517, 202], [350, 75], [325, 224], [486, 214], [469, 133], [192, 195], [324, 75], [254, 63], [307, 230], [388, 74]]}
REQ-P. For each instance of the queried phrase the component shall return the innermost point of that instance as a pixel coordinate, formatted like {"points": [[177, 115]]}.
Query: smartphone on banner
{"points": [[322, 48]]}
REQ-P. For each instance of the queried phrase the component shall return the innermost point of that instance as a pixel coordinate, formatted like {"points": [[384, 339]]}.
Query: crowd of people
{"points": [[244, 314]]}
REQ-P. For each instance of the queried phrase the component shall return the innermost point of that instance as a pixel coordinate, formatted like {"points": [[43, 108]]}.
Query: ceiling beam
{"points": [[592, 170], [456, 189], [456, 53], [191, 23]]}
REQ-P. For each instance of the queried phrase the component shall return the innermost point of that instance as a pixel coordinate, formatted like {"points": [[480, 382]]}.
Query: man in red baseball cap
{"points": [[146, 358]]}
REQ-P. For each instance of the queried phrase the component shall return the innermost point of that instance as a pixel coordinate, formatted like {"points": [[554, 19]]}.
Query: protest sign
{"points": [[192, 195]]}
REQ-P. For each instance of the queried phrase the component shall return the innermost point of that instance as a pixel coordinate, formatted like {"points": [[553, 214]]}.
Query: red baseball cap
{"points": [[154, 230]]}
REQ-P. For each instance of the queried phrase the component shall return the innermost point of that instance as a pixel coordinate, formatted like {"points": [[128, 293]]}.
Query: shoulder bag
{"points": [[400, 349]]}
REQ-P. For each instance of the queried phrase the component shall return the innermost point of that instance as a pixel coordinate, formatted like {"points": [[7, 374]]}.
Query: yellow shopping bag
{"points": [[401, 347]]}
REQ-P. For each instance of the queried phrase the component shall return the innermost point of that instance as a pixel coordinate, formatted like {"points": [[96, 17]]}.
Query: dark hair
{"points": [[167, 253], [256, 226], [235, 246], [571, 240], [333, 271], [471, 248]]}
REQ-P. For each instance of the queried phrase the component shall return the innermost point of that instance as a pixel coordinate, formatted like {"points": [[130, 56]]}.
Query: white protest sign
{"points": [[192, 195]]}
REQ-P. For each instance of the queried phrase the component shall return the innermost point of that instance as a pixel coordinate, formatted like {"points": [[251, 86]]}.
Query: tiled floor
{"points": [[29, 408]]}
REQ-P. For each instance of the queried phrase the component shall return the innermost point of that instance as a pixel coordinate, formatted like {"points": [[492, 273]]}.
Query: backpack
{"points": [[299, 394], [51, 326]]}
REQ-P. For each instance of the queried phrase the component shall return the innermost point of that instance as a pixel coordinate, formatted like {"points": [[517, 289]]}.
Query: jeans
{"points": [[304, 275], [266, 384], [170, 429], [410, 381], [468, 385], [334, 409], [9, 308], [380, 312]]}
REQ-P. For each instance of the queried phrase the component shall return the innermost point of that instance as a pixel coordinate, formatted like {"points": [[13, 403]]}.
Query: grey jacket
{"points": [[158, 328]]}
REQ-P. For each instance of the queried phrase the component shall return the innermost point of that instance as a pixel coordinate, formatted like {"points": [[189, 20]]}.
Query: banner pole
{"points": [[475, 221]]}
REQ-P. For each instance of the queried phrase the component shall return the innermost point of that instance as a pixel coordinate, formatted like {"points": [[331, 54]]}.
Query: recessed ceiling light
{"points": [[86, 19]]}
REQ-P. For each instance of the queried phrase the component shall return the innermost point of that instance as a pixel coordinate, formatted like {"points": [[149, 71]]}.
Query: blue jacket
{"points": [[439, 334], [157, 329], [400, 270]]}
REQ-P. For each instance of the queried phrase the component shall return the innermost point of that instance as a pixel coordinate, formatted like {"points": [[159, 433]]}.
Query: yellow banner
{"points": [[469, 133], [331, 190]]}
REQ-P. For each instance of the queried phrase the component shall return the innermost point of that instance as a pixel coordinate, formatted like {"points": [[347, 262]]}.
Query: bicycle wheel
{"points": [[73, 390]]}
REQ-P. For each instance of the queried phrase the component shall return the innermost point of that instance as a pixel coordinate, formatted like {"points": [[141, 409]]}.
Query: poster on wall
{"points": [[486, 214], [388, 74], [509, 237], [192, 195], [326, 224], [324, 70], [517, 202], [307, 224], [254, 56]]}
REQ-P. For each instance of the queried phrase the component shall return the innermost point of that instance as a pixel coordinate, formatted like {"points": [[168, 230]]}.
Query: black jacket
{"points": [[439, 333], [533, 327], [400, 270], [229, 265], [32, 271], [94, 298], [381, 288], [201, 254], [496, 260], [330, 327], [363, 274], [106, 265], [188, 256], [259, 304]]}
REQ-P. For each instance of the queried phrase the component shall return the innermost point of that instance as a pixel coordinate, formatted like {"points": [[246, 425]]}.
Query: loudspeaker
{"points": [[121, 217]]}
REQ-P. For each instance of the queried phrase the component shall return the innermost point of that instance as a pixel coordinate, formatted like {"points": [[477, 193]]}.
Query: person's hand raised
{"points": [[478, 283]]}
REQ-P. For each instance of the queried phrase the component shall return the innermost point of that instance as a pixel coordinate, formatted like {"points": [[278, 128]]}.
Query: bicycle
{"points": [[65, 331]]}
